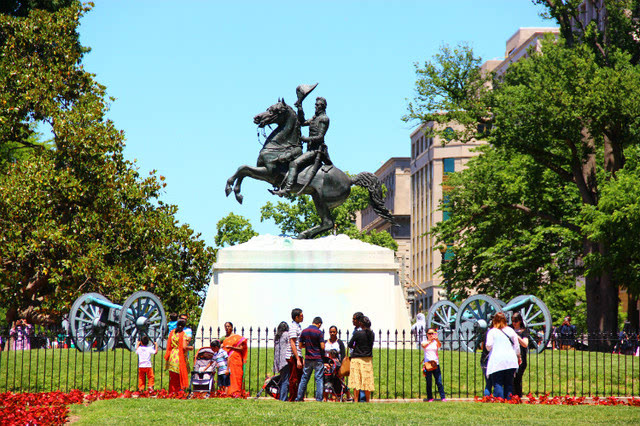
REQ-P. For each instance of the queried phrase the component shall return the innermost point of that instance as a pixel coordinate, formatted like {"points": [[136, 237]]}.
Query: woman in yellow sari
{"points": [[176, 363], [236, 347]]}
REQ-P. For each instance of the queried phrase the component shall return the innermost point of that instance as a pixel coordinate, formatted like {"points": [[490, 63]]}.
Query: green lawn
{"points": [[215, 411], [397, 372]]}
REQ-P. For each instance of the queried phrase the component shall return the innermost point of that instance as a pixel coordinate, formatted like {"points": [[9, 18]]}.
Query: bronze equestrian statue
{"points": [[281, 157]]}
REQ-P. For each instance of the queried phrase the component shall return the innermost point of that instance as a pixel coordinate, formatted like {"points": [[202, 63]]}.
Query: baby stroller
{"points": [[334, 387], [271, 386], [203, 381]]}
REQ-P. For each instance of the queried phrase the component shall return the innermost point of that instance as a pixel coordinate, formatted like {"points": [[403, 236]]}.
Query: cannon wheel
{"points": [[442, 315], [91, 324], [142, 313], [537, 319], [473, 320]]}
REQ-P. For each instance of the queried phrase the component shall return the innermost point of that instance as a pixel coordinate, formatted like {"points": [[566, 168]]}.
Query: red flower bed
{"points": [[562, 400], [51, 408]]}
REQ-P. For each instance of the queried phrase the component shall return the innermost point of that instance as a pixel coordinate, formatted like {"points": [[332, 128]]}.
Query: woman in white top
{"points": [[334, 343], [504, 356], [430, 348]]}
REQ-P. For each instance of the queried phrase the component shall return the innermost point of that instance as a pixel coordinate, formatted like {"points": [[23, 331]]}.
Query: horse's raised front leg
{"points": [[326, 220], [234, 179], [235, 182]]}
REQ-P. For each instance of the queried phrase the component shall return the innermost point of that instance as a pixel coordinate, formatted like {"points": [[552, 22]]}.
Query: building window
{"points": [[449, 165], [446, 214]]}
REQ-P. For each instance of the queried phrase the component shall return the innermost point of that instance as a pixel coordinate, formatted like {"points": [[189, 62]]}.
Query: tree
{"points": [[298, 213], [76, 216], [501, 249], [616, 218], [233, 229], [573, 109]]}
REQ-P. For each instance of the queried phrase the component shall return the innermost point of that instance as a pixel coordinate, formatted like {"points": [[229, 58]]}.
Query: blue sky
{"points": [[189, 76]]}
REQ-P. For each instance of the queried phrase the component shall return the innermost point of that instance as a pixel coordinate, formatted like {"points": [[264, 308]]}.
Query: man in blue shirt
{"points": [[312, 339]]}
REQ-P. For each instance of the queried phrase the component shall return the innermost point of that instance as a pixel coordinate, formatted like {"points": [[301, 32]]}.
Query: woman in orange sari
{"points": [[236, 347], [177, 346]]}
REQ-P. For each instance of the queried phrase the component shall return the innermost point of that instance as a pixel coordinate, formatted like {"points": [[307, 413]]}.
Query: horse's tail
{"points": [[374, 186]]}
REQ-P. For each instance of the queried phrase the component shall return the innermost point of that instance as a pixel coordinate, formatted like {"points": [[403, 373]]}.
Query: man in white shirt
{"points": [[291, 375]]}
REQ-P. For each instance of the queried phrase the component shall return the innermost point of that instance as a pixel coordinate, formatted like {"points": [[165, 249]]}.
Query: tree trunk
{"points": [[602, 297]]}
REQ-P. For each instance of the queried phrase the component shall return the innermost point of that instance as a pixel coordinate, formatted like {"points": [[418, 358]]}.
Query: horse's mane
{"points": [[295, 132], [296, 127]]}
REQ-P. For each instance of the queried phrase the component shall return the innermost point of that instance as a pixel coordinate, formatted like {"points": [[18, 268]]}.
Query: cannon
{"points": [[96, 322], [464, 327]]}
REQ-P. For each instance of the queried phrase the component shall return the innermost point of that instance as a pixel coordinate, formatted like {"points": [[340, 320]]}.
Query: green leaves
{"points": [[503, 245], [451, 88], [233, 229], [75, 216]]}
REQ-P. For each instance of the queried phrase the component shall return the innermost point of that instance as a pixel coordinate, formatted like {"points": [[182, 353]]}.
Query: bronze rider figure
{"points": [[317, 153]]}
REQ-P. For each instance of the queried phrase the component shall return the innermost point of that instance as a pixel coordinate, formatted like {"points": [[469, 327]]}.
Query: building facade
{"points": [[431, 162]]}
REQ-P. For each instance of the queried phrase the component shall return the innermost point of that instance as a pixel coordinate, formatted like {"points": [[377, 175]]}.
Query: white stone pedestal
{"points": [[258, 283]]}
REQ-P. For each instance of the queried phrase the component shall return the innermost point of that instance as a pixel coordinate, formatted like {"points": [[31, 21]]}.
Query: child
{"points": [[220, 361], [331, 368], [145, 371]]}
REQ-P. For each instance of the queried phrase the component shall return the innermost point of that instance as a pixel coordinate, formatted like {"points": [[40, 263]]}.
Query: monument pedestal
{"points": [[258, 283]]}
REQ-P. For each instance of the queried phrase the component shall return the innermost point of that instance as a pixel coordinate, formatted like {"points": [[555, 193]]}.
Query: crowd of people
{"points": [[326, 359]]}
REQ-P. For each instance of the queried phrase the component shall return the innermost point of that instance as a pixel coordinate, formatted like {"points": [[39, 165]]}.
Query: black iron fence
{"points": [[593, 365]]}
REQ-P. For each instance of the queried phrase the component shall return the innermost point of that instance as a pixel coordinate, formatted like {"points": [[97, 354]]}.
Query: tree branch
{"points": [[533, 213], [551, 162]]}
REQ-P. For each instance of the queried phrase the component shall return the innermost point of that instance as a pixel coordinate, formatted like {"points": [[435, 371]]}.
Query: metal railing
{"points": [[589, 368]]}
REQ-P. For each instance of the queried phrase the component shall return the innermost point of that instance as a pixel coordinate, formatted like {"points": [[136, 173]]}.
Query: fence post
{"points": [[249, 349], [258, 365], [403, 363]]}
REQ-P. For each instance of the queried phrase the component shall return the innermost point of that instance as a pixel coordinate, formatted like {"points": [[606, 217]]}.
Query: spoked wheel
{"points": [[92, 325], [473, 320], [142, 314], [442, 315], [537, 320]]}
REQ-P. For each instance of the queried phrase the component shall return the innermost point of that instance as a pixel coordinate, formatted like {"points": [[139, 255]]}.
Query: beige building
{"points": [[395, 174], [431, 161]]}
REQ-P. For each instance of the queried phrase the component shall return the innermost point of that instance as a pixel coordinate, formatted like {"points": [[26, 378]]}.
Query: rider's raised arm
{"points": [[301, 118]]}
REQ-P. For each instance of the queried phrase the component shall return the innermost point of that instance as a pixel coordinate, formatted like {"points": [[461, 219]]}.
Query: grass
{"points": [[227, 411], [397, 372]]}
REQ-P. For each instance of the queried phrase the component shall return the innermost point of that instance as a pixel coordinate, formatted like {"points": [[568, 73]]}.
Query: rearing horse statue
{"points": [[329, 187]]}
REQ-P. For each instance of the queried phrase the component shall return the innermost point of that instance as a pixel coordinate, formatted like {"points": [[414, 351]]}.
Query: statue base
{"points": [[257, 284]]}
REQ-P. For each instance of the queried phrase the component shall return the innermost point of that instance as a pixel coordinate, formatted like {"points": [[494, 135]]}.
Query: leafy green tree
{"points": [[298, 214], [233, 229], [75, 216], [23, 7], [500, 247], [574, 109], [616, 219]]}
